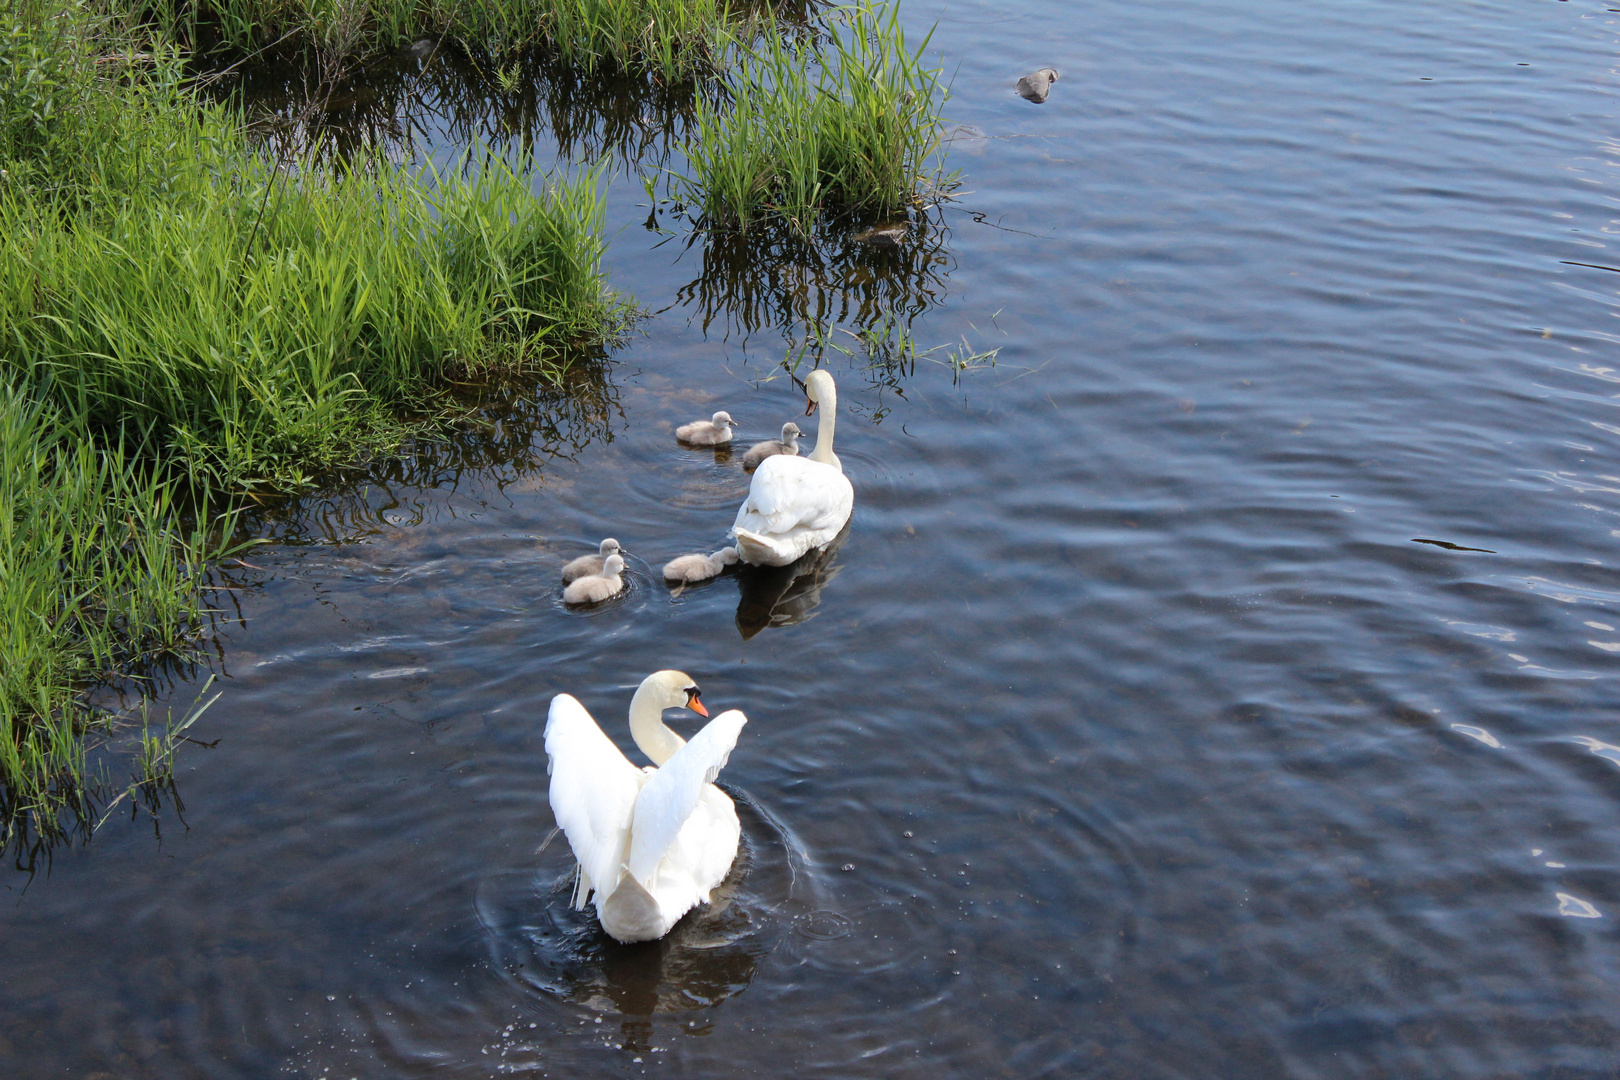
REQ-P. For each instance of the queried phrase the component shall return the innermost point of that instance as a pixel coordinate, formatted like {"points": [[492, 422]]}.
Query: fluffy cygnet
{"points": [[590, 564], [788, 444], [711, 432], [694, 568], [594, 587], [1035, 86]]}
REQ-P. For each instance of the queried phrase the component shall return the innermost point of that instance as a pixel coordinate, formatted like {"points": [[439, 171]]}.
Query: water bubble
{"points": [[822, 925]]}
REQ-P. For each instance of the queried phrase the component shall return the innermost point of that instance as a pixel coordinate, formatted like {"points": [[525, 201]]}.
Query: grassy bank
{"points": [[258, 326], [673, 37], [852, 126], [181, 313], [97, 575], [252, 319]]}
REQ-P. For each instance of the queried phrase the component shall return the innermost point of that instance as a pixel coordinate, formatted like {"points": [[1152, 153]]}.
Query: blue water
{"points": [[1131, 732]]}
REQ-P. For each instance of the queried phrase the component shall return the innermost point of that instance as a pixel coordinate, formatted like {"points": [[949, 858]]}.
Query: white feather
{"points": [[593, 794], [670, 794], [794, 505]]}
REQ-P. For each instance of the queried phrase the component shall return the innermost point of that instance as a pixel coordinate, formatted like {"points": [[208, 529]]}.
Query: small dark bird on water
{"points": [[1034, 86], [887, 235]]}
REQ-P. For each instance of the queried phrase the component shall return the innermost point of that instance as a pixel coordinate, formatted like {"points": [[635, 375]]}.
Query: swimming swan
{"points": [[691, 569], [788, 444], [593, 587], [796, 504], [651, 843], [712, 432], [590, 564]]}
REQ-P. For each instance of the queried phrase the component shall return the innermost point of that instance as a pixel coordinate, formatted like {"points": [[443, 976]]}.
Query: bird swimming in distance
{"points": [[887, 235], [1035, 86], [711, 432], [651, 843], [787, 444], [589, 564], [691, 569], [593, 588]]}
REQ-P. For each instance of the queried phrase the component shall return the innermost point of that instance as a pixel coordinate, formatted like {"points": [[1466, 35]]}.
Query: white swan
{"points": [[694, 568], [590, 564], [712, 432], [787, 444], [594, 587], [651, 843], [797, 504]]}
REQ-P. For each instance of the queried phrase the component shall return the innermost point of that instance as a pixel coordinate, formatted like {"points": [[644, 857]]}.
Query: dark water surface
{"points": [[1128, 734]]}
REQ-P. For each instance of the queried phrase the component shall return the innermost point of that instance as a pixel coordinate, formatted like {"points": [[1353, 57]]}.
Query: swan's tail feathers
{"points": [[631, 913], [759, 550], [582, 887]]}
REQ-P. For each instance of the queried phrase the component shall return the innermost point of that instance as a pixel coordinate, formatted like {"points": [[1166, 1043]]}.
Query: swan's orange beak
{"points": [[694, 704], [809, 406]]}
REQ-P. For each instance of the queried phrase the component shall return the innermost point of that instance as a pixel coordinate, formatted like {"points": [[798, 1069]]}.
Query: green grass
{"points": [[260, 326], [674, 37], [178, 313], [97, 575], [256, 319], [852, 126]]}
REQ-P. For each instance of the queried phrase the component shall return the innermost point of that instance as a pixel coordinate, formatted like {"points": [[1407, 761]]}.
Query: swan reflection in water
{"points": [[538, 940], [785, 595]]}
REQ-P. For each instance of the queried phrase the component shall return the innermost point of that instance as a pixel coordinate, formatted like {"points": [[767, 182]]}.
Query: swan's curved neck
{"points": [[827, 405], [647, 726]]}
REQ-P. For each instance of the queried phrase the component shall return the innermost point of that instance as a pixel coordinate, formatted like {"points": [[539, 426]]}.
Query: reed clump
{"points": [[181, 313], [254, 320], [848, 124], [97, 571], [673, 37], [258, 325]]}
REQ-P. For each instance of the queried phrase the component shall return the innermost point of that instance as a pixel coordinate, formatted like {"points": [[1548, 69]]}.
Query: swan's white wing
{"points": [[593, 793], [670, 794]]}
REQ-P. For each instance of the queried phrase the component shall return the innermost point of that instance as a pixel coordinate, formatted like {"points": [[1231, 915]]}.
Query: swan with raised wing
{"points": [[651, 843], [797, 504]]}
